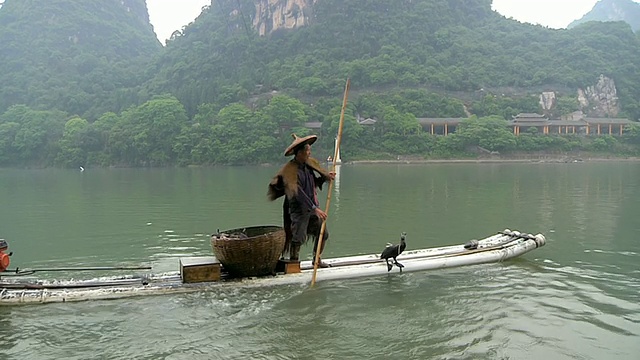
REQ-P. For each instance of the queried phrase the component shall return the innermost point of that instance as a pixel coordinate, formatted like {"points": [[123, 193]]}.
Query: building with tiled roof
{"points": [[522, 122], [440, 126]]}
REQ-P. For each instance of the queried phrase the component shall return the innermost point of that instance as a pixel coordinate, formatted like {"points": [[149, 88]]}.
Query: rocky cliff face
{"points": [[272, 15], [547, 101], [600, 100]]}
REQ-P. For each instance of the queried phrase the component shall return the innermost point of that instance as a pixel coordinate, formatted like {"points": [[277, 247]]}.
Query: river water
{"points": [[576, 298]]}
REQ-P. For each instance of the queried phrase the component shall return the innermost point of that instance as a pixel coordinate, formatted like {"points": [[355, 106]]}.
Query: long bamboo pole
{"points": [[27, 271], [316, 259]]}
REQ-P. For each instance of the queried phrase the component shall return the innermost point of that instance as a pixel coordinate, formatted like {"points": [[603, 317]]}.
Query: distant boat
{"points": [[336, 151], [81, 169]]}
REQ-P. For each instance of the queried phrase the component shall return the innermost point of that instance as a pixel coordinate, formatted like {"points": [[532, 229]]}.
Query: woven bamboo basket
{"points": [[250, 251]]}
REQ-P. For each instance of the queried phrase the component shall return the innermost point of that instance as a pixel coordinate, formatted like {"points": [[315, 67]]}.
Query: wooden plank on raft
{"points": [[288, 266], [199, 269]]}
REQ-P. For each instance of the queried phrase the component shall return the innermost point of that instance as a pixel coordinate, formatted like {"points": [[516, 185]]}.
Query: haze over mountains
{"points": [[95, 56], [76, 56], [613, 10], [87, 83]]}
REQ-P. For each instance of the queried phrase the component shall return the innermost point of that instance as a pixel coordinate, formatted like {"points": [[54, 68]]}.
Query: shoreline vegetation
{"points": [[159, 133], [486, 161], [497, 159], [522, 159]]}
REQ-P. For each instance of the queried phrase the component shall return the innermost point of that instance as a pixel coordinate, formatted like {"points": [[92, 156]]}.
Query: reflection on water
{"points": [[576, 298], [336, 187], [337, 179], [524, 309]]}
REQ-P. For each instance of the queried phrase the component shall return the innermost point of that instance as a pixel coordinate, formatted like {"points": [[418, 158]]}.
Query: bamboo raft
{"points": [[497, 248]]}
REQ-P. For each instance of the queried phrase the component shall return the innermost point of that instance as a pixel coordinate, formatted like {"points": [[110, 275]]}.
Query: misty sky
{"points": [[168, 16]]}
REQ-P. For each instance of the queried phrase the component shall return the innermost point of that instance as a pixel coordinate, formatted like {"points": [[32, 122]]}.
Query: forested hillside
{"points": [[84, 57], [441, 46], [87, 83]]}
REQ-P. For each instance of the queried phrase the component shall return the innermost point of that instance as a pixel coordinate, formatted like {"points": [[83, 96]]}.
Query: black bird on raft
{"points": [[392, 251]]}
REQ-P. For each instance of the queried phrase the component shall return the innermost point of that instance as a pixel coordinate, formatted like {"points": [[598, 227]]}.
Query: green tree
{"points": [[241, 136], [285, 112], [74, 143], [491, 133], [398, 123], [145, 135], [36, 139], [313, 86], [194, 145], [8, 131], [565, 105]]}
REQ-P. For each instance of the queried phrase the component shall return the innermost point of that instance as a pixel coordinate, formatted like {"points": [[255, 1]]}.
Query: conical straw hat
{"points": [[299, 141]]}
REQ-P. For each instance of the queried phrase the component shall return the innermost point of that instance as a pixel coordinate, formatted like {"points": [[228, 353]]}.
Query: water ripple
{"points": [[524, 309]]}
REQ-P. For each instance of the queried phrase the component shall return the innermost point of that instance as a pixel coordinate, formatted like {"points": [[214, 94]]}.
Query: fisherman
{"points": [[298, 181]]}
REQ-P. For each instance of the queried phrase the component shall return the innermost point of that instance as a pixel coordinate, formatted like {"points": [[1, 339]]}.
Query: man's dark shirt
{"points": [[305, 199]]}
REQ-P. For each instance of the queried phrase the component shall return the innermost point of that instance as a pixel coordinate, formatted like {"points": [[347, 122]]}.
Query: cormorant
{"points": [[392, 251]]}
